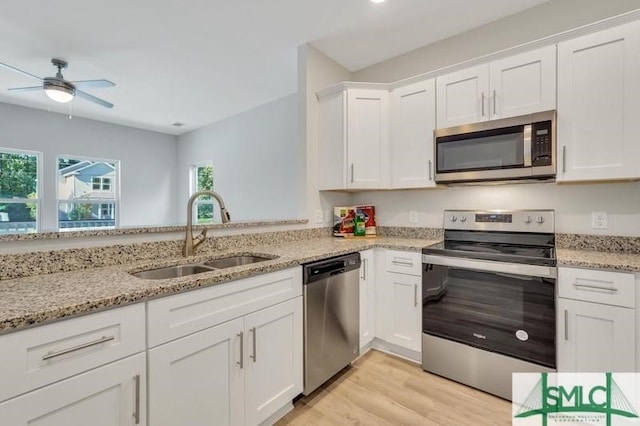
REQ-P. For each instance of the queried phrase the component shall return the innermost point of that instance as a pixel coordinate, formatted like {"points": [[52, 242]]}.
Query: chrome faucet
{"points": [[189, 245]]}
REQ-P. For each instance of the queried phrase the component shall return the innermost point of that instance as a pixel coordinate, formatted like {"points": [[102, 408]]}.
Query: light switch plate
{"points": [[319, 216]]}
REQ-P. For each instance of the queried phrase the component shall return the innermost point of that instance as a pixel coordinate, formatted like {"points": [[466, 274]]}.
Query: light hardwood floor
{"points": [[380, 389]]}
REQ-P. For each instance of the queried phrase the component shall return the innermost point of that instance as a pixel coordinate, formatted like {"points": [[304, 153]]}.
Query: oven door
{"points": [[499, 307]]}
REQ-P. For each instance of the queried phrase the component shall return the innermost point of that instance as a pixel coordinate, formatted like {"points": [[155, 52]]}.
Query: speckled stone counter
{"points": [[42, 298], [614, 253]]}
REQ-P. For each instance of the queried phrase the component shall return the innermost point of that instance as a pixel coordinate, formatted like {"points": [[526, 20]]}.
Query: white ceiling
{"points": [[199, 61]]}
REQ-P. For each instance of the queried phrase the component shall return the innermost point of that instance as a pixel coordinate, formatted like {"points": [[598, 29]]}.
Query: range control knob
{"points": [[463, 218], [453, 218], [526, 219], [540, 219]]}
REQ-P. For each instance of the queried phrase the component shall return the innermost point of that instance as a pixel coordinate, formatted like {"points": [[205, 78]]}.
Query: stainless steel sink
{"points": [[173, 272], [198, 268], [229, 262]]}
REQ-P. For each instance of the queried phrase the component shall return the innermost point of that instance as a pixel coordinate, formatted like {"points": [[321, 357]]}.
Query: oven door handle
{"points": [[489, 266]]}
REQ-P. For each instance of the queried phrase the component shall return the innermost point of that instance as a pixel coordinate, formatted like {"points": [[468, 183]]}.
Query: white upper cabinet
{"points": [[413, 119], [353, 142], [516, 85], [598, 105]]}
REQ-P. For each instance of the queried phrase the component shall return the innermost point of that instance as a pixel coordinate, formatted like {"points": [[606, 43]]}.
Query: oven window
{"points": [[487, 150], [509, 314]]}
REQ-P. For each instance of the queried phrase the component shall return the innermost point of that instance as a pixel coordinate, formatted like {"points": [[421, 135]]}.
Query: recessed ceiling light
{"points": [[377, 1], [178, 124]]}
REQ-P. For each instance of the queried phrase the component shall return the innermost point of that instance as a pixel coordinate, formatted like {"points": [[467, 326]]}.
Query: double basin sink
{"points": [[198, 268]]}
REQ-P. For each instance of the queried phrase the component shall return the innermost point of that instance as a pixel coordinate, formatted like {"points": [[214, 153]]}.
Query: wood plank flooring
{"points": [[380, 389]]}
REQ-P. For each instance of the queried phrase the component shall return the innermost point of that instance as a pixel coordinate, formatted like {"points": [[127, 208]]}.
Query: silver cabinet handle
{"points": [[253, 357], [564, 158], [397, 262], [136, 413], [241, 362], [566, 325], [415, 295], [595, 287], [482, 103], [351, 172], [495, 110], [103, 339], [430, 170], [364, 270]]}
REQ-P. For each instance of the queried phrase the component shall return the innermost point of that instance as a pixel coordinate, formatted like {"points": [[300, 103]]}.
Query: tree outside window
{"points": [[202, 179], [19, 201]]}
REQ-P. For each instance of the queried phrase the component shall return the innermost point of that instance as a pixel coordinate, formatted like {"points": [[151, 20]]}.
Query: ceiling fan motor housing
{"points": [[60, 85]]}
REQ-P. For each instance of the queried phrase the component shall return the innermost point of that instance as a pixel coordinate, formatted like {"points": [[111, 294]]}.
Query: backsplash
{"points": [[411, 232], [21, 265]]}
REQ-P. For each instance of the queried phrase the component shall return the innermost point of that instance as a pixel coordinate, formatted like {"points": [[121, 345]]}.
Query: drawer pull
{"points": [[103, 339], [397, 262], [595, 287], [136, 413]]}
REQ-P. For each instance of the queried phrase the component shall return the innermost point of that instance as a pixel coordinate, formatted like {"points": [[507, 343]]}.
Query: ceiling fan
{"points": [[61, 90]]}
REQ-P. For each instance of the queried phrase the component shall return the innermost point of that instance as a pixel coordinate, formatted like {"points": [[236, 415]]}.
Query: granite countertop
{"points": [[595, 259], [42, 298]]}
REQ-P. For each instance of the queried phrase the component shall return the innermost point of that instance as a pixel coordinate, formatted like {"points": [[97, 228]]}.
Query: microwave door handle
{"points": [[526, 132]]}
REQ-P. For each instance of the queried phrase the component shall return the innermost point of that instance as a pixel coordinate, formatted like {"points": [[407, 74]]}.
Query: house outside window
{"points": [[88, 195], [202, 179], [19, 191]]}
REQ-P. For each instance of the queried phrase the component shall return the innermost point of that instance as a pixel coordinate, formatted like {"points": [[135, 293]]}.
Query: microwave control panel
{"points": [[541, 144]]}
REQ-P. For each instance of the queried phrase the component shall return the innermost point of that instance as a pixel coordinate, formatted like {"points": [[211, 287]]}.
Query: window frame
{"points": [[39, 183], [116, 201], [193, 188]]}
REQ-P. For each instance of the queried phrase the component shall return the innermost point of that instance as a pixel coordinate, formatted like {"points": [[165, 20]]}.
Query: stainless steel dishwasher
{"points": [[331, 317]]}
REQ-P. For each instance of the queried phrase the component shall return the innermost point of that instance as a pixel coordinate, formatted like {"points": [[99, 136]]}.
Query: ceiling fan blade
{"points": [[93, 84], [9, 67], [25, 89], [93, 99]]}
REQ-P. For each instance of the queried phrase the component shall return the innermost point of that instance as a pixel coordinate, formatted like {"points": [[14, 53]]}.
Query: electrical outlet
{"points": [[413, 216], [599, 220], [328, 216], [319, 216]]}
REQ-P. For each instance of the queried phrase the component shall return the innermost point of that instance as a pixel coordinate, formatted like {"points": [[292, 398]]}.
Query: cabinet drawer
{"points": [[176, 316], [39, 356], [403, 262], [611, 288]]}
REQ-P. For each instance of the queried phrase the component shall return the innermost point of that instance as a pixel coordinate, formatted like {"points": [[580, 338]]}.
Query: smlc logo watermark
{"points": [[550, 399]]}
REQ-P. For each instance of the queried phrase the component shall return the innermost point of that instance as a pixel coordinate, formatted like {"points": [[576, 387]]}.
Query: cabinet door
{"points": [[368, 138], [598, 104], [595, 338], [273, 359], [413, 119], [463, 96], [367, 299], [198, 380], [332, 149], [523, 84], [113, 395], [405, 315]]}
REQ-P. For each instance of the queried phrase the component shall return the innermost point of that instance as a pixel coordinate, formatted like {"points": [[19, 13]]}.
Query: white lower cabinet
{"points": [[399, 289], [596, 321], [595, 338], [112, 395], [367, 300], [239, 372]]}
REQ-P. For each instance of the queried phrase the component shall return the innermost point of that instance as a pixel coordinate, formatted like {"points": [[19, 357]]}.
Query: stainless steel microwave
{"points": [[506, 149]]}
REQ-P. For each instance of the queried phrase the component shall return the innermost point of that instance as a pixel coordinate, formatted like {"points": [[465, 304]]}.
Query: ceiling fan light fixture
{"points": [[59, 91]]}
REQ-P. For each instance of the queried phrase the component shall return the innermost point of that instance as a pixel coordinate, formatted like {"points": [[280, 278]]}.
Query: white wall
{"points": [[147, 160], [573, 204], [256, 159], [316, 71], [541, 21]]}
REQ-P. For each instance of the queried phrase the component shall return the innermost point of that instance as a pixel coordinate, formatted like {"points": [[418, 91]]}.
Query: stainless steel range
{"points": [[489, 298]]}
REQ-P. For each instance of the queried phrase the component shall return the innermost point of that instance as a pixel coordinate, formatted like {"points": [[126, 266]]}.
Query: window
{"points": [[87, 193], [202, 179], [19, 201], [101, 183]]}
